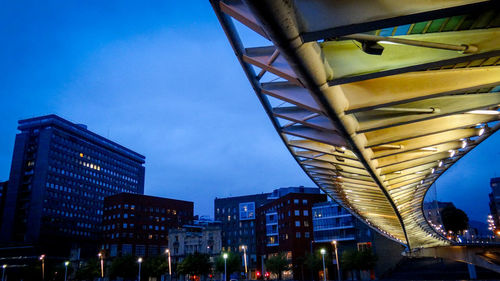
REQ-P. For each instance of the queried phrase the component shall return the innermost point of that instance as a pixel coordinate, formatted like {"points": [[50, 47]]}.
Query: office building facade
{"points": [[138, 225], [332, 222], [237, 216], [59, 176], [285, 225]]}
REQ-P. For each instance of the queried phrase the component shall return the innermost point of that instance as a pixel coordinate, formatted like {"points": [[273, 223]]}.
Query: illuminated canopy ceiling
{"points": [[375, 99]]}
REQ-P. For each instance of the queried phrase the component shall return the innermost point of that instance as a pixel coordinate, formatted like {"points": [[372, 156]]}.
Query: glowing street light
{"points": [[323, 251], [101, 257], [66, 270], [3, 271], [169, 263], [225, 268], [139, 260], [337, 259], [244, 247], [42, 258]]}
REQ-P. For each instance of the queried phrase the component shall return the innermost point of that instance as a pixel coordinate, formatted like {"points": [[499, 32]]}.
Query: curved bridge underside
{"points": [[375, 99]]}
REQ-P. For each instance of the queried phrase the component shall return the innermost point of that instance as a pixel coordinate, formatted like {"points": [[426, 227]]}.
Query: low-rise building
{"points": [[203, 236], [138, 225]]}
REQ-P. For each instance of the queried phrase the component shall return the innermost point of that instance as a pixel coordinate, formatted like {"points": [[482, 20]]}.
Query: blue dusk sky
{"points": [[160, 78]]}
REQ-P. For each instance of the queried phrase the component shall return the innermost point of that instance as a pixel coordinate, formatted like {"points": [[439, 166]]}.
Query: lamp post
{"points": [[42, 258], [66, 270], [337, 259], [3, 271], [169, 264], [101, 258], [324, 269], [139, 260], [225, 268], [245, 259]]}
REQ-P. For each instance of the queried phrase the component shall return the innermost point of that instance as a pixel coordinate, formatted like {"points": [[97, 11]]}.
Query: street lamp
{"points": [[169, 264], [101, 257], [3, 271], [245, 259], [323, 251], [66, 270], [42, 258], [139, 260], [337, 259], [225, 268]]}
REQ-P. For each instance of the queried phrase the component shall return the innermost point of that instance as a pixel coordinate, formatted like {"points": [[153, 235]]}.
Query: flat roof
{"points": [[81, 131]]}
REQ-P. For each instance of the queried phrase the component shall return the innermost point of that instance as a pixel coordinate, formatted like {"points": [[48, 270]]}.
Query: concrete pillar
{"points": [[472, 271]]}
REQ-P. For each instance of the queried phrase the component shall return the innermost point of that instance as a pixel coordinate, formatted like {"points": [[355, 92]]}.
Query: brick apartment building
{"points": [[138, 224], [285, 225]]}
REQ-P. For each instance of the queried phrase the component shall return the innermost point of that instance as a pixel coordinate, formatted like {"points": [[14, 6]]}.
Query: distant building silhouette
{"points": [[59, 176]]}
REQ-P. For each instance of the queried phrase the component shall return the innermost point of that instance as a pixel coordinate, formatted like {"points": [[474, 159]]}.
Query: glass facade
{"points": [[272, 229], [332, 222]]}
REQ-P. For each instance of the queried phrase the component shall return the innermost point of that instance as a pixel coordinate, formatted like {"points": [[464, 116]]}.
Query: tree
{"points": [[366, 259], [125, 267], [355, 261], [454, 219], [277, 264], [349, 261], [314, 263], [154, 266], [233, 263], [90, 270], [195, 264]]}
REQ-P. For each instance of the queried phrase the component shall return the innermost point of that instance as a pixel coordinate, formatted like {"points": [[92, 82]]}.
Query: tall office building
{"points": [[59, 176]]}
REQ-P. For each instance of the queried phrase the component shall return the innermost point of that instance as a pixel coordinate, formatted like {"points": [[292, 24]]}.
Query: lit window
{"points": [[297, 223], [297, 212]]}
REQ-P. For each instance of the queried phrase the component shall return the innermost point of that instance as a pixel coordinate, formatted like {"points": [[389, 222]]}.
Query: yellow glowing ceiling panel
{"points": [[375, 99]]}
